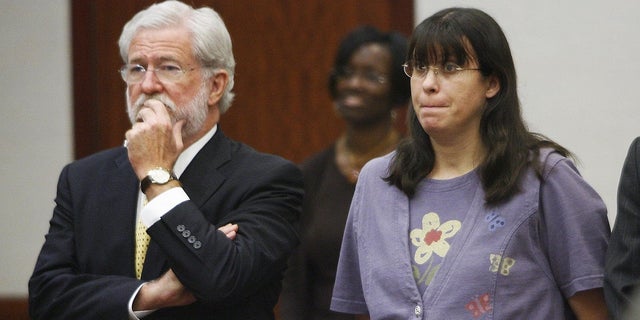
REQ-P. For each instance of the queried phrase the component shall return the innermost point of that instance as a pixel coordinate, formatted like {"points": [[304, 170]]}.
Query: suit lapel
{"points": [[202, 178]]}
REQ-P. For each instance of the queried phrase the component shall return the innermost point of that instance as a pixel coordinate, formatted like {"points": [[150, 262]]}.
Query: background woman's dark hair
{"points": [[465, 35], [397, 44]]}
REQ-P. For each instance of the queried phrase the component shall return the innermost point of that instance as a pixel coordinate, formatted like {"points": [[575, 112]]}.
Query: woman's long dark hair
{"points": [[459, 34]]}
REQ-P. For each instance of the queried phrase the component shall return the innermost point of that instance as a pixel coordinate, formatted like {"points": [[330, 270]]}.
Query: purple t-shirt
{"points": [[520, 259]]}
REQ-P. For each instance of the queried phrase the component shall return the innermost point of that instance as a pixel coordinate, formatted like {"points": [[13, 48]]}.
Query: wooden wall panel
{"points": [[14, 308], [284, 51], [284, 57]]}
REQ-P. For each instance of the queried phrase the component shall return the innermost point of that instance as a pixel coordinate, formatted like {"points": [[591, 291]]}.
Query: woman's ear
{"points": [[493, 87]]}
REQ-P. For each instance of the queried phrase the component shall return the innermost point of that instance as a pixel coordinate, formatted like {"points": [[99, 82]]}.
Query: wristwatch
{"points": [[157, 175]]}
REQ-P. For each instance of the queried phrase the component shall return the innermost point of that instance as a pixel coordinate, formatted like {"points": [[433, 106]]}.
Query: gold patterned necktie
{"points": [[142, 243]]}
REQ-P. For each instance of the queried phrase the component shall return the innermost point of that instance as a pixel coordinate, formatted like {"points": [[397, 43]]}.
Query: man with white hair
{"points": [[220, 216]]}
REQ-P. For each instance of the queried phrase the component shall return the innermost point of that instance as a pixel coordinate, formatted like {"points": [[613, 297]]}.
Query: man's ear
{"points": [[493, 87], [217, 84]]}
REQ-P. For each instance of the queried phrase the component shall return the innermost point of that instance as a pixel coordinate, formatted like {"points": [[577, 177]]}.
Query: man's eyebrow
{"points": [[161, 59]]}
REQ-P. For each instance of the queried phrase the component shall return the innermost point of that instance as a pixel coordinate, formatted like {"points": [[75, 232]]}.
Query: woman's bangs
{"points": [[440, 44]]}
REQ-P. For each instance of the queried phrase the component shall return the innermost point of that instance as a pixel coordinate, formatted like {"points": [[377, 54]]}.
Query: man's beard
{"points": [[194, 112]]}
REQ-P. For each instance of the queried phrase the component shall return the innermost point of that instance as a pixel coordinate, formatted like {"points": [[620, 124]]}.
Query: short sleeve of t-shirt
{"points": [[575, 228]]}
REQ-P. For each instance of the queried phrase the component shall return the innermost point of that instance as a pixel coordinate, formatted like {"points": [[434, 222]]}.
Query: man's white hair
{"points": [[209, 36]]}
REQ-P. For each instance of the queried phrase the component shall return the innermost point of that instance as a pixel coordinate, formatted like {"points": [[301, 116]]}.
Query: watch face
{"points": [[159, 176]]}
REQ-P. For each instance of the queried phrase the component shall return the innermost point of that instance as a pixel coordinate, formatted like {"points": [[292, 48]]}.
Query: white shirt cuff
{"points": [[137, 315], [161, 204]]}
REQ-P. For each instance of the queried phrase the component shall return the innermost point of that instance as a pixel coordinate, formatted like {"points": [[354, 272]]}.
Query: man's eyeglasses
{"points": [[166, 73], [369, 76], [420, 70]]}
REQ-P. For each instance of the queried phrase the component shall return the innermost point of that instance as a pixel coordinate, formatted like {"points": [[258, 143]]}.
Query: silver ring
{"points": [[126, 143]]}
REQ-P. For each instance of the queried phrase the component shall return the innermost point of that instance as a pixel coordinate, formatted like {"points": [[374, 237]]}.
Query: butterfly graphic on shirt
{"points": [[494, 221]]}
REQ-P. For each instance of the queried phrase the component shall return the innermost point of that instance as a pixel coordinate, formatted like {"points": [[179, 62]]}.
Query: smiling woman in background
{"points": [[367, 84]]}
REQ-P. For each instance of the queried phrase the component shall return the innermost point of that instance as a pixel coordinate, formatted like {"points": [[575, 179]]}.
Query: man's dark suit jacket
{"points": [[622, 270], [86, 267]]}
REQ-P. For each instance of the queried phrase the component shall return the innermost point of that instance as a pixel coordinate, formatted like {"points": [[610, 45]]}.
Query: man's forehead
{"points": [[161, 45]]}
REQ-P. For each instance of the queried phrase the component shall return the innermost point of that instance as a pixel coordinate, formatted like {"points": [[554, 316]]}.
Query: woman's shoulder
{"points": [[547, 154], [380, 163], [550, 158], [377, 167]]}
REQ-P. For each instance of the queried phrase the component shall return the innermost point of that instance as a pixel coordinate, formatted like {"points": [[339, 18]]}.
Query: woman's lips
{"points": [[352, 101]]}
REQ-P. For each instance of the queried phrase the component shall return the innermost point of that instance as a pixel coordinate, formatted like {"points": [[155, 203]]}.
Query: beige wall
{"points": [[35, 126]]}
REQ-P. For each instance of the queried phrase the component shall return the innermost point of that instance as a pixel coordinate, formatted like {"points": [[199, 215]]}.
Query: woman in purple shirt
{"points": [[473, 216]]}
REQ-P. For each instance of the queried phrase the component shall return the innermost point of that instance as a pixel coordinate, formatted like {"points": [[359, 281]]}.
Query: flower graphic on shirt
{"points": [[432, 237]]}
